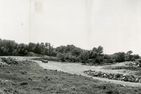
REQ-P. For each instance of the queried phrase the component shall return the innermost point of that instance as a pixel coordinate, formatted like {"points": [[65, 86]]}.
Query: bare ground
{"points": [[28, 77], [77, 68]]}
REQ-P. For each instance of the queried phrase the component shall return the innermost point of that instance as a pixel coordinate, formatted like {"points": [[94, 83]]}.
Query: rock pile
{"points": [[9, 61], [44, 60], [122, 77]]}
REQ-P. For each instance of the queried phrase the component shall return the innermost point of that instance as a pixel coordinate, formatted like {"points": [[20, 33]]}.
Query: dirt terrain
{"points": [[20, 75], [77, 68]]}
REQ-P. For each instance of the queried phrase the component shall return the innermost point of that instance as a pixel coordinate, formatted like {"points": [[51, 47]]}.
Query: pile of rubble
{"points": [[8, 61], [137, 63], [44, 60], [122, 77]]}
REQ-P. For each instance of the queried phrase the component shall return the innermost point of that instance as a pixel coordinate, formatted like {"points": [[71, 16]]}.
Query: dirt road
{"points": [[77, 68]]}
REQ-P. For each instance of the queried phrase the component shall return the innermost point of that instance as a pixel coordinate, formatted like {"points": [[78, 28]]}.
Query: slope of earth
{"points": [[78, 68], [26, 77]]}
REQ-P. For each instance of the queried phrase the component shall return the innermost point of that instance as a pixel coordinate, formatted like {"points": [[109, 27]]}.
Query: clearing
{"points": [[27, 77]]}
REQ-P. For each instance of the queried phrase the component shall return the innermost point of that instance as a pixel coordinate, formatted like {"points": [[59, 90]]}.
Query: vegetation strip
{"points": [[122, 77], [68, 53]]}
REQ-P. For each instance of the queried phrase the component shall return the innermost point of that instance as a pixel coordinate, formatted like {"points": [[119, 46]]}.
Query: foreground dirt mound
{"points": [[122, 77]]}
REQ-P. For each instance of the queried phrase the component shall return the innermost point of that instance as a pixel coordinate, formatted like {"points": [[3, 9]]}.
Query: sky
{"points": [[113, 24]]}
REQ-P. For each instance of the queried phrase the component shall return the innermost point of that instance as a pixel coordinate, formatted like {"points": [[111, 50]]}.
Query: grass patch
{"points": [[126, 68], [27, 77]]}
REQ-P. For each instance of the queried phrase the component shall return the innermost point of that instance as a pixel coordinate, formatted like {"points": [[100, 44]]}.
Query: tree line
{"points": [[69, 53], [9, 47]]}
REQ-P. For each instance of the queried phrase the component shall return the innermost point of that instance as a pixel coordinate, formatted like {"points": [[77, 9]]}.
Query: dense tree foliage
{"points": [[95, 56], [8, 47], [69, 53]]}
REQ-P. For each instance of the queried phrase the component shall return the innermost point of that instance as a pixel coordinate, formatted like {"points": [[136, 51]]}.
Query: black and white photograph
{"points": [[70, 47]]}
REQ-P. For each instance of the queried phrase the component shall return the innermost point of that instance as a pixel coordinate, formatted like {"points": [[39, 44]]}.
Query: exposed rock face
{"points": [[122, 77]]}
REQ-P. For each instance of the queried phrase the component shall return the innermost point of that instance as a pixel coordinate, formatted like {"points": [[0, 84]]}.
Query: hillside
{"points": [[27, 77]]}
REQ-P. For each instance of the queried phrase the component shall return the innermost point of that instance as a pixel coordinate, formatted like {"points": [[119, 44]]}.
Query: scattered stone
{"points": [[46, 78], [30, 79], [112, 92], [44, 61], [23, 83], [37, 88], [122, 77], [23, 72], [9, 61]]}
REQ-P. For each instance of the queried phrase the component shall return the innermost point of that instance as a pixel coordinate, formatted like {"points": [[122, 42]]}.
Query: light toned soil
{"points": [[77, 68], [26, 77]]}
